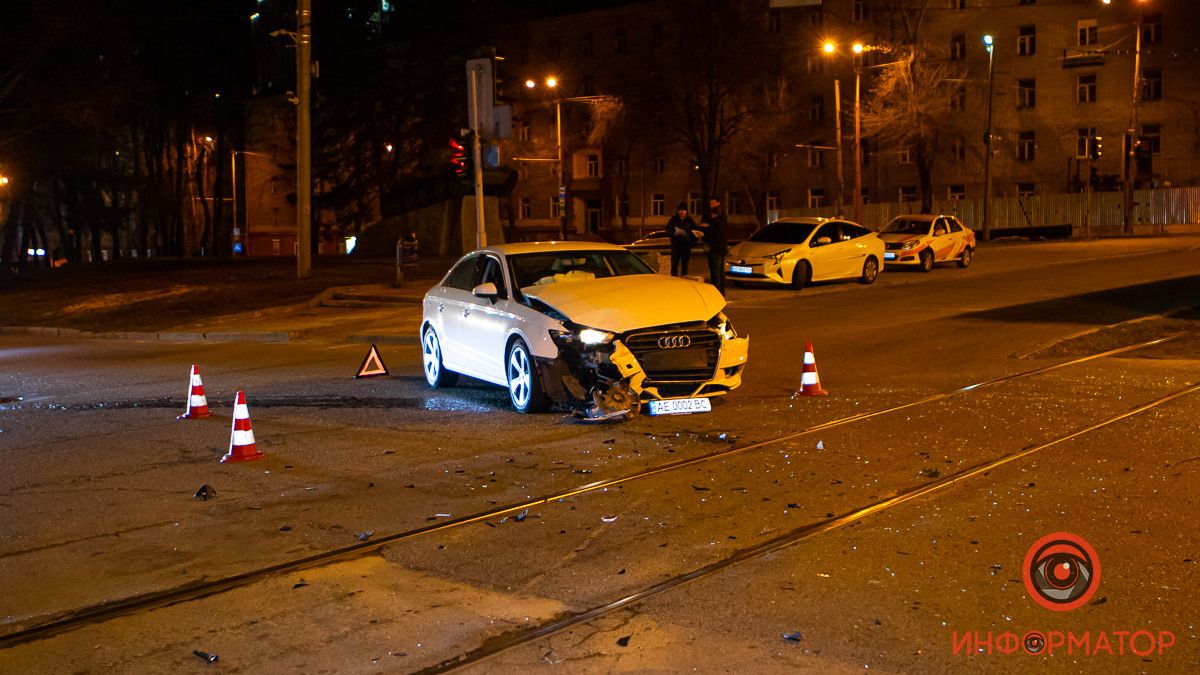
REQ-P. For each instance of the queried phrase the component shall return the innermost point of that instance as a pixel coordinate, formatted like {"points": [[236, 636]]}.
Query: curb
{"points": [[141, 335], [384, 339]]}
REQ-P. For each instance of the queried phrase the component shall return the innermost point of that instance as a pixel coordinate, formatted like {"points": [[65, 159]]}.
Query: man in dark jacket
{"points": [[679, 229], [714, 226]]}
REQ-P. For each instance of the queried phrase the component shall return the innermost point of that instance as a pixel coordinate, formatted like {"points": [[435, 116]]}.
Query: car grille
{"points": [[893, 245], [694, 363]]}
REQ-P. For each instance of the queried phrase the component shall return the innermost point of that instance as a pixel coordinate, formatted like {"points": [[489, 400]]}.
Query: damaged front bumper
{"points": [[612, 380]]}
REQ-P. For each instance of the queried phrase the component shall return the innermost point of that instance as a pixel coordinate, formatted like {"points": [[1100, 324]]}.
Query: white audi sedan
{"points": [[582, 324]]}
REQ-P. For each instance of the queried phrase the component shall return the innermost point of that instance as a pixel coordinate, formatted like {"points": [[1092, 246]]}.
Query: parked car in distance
{"points": [[580, 323], [923, 240], [797, 251], [659, 241]]}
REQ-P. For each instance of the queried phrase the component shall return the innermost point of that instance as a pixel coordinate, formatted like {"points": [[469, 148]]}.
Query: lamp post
{"points": [[857, 48], [987, 142], [1131, 144]]}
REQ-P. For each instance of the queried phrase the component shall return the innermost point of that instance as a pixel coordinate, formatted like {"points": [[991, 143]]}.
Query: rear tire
{"points": [[524, 385], [870, 271], [926, 261], [965, 261], [431, 357], [800, 275]]}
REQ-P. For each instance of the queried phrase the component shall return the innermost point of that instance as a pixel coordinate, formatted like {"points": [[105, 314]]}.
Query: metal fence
{"points": [[1097, 211]]}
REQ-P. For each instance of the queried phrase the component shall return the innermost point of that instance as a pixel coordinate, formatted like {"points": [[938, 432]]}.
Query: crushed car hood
{"points": [[619, 304]]}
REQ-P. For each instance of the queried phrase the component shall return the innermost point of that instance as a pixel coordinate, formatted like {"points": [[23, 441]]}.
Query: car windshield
{"points": [[781, 232], [533, 269], [907, 226]]}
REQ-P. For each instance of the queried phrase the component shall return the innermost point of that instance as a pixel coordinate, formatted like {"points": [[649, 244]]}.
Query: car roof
{"points": [[803, 220], [923, 216], [552, 247]]}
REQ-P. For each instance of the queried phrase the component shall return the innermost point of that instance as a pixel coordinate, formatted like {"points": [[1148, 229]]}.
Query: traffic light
{"points": [[1097, 148], [460, 158]]}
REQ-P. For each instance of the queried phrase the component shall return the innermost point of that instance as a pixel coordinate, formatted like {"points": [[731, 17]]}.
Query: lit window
{"points": [[1027, 40], [526, 208], [658, 204], [1088, 33]]}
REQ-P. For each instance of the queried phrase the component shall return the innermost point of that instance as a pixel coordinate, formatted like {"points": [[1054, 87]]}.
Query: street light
{"points": [[858, 48], [987, 141]]}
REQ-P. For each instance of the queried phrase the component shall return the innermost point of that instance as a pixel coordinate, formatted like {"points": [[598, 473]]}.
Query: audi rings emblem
{"points": [[674, 341]]}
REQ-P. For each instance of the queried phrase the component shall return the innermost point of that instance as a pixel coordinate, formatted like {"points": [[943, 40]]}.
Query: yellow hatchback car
{"points": [[796, 251]]}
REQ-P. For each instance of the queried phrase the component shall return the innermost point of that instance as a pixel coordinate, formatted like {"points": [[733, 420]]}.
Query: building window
{"points": [[526, 208], [1027, 2], [1151, 29], [1085, 89], [772, 159], [958, 149], [555, 212], [814, 65], [958, 46], [1026, 146], [816, 159], [816, 198], [1083, 142], [816, 108], [816, 18], [1152, 138], [957, 4], [1088, 35], [693, 203], [773, 22], [904, 155], [621, 166], [523, 131], [860, 10], [623, 207], [1026, 190], [1151, 84], [658, 204], [956, 192], [586, 46], [908, 193], [522, 171], [658, 121], [660, 164], [773, 200], [958, 99], [733, 203], [621, 40], [865, 196], [588, 86], [593, 166], [1026, 94], [1027, 40]]}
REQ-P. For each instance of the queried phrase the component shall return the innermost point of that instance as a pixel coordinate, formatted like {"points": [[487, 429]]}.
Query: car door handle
{"points": [[441, 306], [466, 311]]}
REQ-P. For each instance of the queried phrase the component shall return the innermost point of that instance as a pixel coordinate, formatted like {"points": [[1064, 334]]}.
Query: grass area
{"points": [[147, 295]]}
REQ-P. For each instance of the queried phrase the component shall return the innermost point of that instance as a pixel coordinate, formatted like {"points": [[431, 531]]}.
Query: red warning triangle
{"points": [[372, 366]]}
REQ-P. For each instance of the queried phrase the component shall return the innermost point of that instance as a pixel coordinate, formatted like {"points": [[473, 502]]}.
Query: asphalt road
{"points": [[97, 476]]}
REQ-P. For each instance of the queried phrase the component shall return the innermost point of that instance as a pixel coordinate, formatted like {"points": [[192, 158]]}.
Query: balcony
{"points": [[1082, 58]]}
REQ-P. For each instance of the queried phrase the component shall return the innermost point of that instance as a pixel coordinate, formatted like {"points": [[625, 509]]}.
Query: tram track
{"points": [[194, 591]]}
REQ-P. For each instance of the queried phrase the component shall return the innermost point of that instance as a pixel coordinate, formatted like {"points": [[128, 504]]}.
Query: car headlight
{"points": [[588, 337], [724, 326], [778, 256], [911, 244]]}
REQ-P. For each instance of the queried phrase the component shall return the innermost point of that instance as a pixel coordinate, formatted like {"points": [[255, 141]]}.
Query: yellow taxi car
{"points": [[923, 240], [796, 251]]}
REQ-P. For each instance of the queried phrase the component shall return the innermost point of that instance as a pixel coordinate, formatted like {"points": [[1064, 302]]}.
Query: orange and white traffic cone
{"points": [[197, 404], [810, 381], [241, 441]]}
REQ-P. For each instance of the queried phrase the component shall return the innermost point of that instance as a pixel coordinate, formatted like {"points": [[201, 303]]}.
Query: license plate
{"points": [[680, 406], [739, 269], [889, 256]]}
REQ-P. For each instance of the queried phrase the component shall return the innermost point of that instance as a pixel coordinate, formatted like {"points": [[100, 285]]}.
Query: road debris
{"points": [[624, 641], [205, 493], [520, 517], [363, 536], [608, 519], [793, 636], [820, 445], [205, 656]]}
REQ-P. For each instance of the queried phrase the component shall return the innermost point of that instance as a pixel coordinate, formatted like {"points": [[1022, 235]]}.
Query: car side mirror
{"points": [[487, 290], [821, 241]]}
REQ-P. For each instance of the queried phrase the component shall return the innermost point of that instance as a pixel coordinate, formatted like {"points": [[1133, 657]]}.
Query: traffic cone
{"points": [[810, 381], [197, 404], [241, 441]]}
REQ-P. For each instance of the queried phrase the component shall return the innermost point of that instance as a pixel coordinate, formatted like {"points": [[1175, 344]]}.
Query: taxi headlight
{"points": [[911, 244]]}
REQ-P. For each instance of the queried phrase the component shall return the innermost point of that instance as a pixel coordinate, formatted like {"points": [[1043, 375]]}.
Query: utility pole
{"points": [[480, 233], [303, 139], [1131, 138], [857, 145], [562, 185], [987, 144], [837, 108]]}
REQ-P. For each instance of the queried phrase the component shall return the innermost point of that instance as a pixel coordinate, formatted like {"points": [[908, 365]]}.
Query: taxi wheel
{"points": [[431, 357], [870, 271], [926, 261], [965, 260], [800, 275], [524, 385]]}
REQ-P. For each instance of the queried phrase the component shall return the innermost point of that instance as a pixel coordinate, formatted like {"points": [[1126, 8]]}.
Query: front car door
{"points": [[943, 243], [452, 298], [486, 322]]}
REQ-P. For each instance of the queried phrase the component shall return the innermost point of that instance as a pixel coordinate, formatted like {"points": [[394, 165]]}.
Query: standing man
{"points": [[714, 226], [679, 229]]}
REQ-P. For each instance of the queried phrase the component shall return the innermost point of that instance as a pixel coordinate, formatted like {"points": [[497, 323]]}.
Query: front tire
{"points": [[524, 385], [800, 275], [965, 261], [431, 357], [926, 261], [870, 271]]}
